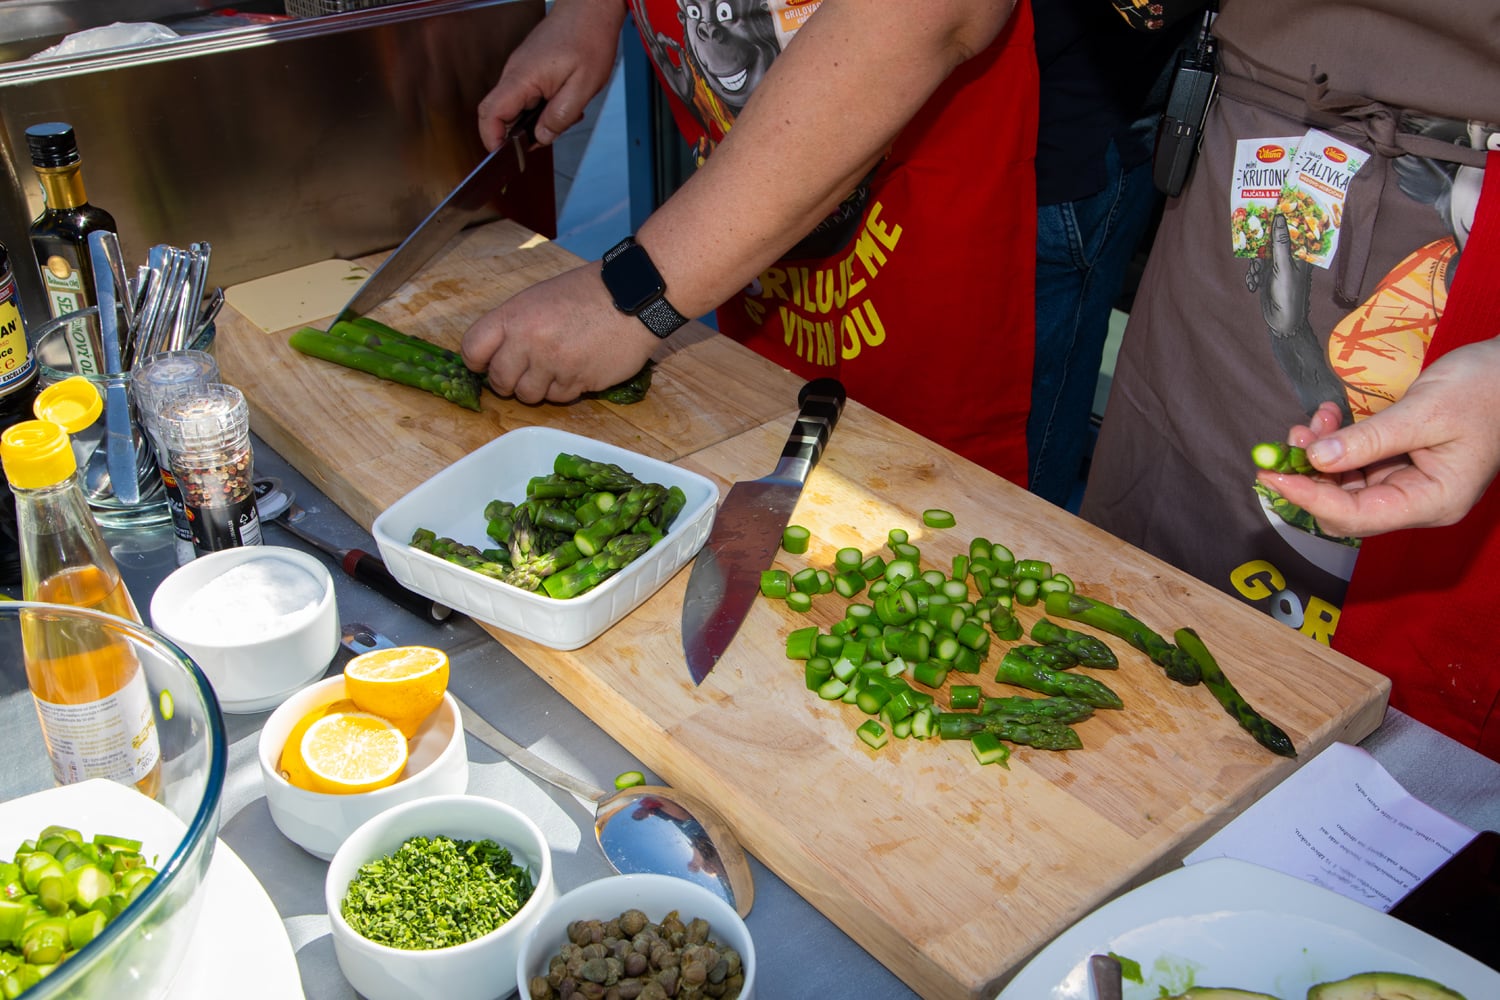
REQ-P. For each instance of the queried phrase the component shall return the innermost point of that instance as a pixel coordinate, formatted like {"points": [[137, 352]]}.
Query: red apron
{"points": [[918, 292], [1421, 605]]}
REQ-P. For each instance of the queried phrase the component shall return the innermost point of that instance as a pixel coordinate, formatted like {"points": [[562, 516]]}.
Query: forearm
{"points": [[826, 113]]}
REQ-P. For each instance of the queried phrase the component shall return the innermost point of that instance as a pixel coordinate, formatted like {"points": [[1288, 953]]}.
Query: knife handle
{"points": [[524, 127], [822, 401], [371, 570]]}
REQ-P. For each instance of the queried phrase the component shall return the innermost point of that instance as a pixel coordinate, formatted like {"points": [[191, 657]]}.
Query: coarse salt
{"points": [[250, 601]]}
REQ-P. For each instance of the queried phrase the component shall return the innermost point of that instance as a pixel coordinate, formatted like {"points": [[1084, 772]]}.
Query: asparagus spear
{"points": [[616, 554], [632, 390], [458, 553], [407, 349], [1089, 650], [1266, 732], [1016, 668], [454, 387], [389, 334], [1056, 657], [556, 487], [597, 475], [553, 515], [1118, 622], [635, 504], [1021, 708], [1044, 734]]}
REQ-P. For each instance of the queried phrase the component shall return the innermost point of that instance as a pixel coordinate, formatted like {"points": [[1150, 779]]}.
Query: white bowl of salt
{"points": [[260, 621]]}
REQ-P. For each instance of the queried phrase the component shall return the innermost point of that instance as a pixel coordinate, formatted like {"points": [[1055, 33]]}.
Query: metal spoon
{"points": [[647, 828]]}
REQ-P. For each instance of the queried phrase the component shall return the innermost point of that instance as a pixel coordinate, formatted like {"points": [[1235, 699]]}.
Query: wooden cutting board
{"points": [[949, 873]]}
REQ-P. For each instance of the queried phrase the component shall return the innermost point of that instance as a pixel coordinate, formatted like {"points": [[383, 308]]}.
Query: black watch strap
{"points": [[660, 318], [657, 314]]}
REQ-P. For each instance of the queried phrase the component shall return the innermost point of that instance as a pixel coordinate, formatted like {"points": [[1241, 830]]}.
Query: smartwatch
{"points": [[637, 287]]}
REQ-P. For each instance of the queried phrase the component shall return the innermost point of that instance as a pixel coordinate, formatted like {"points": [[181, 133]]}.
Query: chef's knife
{"points": [[747, 531], [462, 206]]}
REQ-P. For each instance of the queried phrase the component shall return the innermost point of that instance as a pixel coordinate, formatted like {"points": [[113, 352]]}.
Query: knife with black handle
{"points": [[747, 532]]}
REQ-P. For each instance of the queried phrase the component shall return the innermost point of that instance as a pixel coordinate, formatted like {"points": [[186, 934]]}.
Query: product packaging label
{"points": [[15, 359], [114, 737], [1312, 199], [1261, 167], [224, 527]]}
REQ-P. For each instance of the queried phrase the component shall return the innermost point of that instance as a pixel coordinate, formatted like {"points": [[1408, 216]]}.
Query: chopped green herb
{"points": [[435, 892]]}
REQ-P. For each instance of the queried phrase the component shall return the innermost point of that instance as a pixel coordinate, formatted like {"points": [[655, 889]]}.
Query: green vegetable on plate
{"points": [[57, 893]]}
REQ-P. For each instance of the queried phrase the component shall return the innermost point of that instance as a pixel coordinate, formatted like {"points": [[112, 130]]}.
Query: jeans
{"points": [[1082, 251]]}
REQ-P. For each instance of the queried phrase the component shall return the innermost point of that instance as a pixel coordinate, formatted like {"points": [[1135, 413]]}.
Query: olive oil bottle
{"points": [[89, 687], [60, 235], [18, 378]]}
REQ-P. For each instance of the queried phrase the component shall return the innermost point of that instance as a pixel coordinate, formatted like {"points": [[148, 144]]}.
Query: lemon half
{"points": [[350, 752], [404, 684]]}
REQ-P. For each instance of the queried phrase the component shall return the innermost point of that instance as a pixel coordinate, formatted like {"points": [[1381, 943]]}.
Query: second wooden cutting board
{"points": [[950, 874]]}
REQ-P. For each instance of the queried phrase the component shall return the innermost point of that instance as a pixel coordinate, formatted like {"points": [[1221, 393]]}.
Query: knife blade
{"points": [[119, 439], [462, 205], [747, 531]]}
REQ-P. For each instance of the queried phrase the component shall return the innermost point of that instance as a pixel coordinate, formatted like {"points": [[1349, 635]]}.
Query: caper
{"points": [[633, 921], [595, 970], [540, 988], [694, 973]]}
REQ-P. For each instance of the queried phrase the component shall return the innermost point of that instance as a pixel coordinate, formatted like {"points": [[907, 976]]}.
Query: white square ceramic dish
{"points": [[452, 502]]}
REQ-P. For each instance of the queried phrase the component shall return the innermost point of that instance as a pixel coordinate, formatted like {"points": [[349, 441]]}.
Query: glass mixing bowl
{"points": [[140, 951]]}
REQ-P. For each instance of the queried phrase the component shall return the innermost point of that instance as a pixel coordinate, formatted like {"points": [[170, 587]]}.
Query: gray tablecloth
{"points": [[802, 954]]}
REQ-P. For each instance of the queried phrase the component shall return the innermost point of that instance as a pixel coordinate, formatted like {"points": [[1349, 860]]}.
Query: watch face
{"points": [[632, 280]]}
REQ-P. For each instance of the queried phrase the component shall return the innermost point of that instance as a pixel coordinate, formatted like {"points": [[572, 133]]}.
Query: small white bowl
{"points": [[654, 895], [437, 764], [452, 502], [253, 663], [482, 969]]}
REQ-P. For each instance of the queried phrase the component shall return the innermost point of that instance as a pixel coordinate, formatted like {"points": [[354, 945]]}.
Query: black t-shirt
{"points": [[1097, 79]]}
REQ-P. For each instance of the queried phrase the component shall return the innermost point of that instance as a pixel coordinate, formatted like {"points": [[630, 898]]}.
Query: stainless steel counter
{"points": [[801, 953]]}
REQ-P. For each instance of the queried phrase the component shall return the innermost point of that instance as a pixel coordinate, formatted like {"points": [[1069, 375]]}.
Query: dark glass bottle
{"points": [[17, 390], [60, 235]]}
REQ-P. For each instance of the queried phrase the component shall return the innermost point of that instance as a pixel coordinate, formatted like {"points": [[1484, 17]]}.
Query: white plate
{"points": [[1227, 923], [452, 502], [240, 950], [238, 929]]}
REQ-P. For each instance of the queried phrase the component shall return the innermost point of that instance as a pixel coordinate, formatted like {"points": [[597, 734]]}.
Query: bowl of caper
{"points": [[643, 936]]}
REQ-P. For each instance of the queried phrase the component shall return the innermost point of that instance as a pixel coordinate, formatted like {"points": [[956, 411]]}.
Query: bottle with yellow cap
{"points": [[90, 694]]}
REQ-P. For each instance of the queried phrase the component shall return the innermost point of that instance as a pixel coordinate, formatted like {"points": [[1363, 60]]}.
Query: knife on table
{"points": [[462, 206], [747, 532]]}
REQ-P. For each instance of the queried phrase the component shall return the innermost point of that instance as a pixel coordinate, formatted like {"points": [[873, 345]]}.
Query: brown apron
{"points": [[1223, 351]]}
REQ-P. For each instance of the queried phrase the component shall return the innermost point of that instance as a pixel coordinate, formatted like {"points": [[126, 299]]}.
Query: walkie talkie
{"points": [[1180, 134]]}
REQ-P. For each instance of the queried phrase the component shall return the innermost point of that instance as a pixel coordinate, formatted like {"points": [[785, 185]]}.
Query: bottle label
{"points": [[65, 294], [224, 527], [15, 360], [114, 737], [180, 523]]}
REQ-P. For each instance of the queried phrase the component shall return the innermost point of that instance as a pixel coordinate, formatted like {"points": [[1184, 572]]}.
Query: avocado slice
{"points": [[1382, 986], [1219, 993]]}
